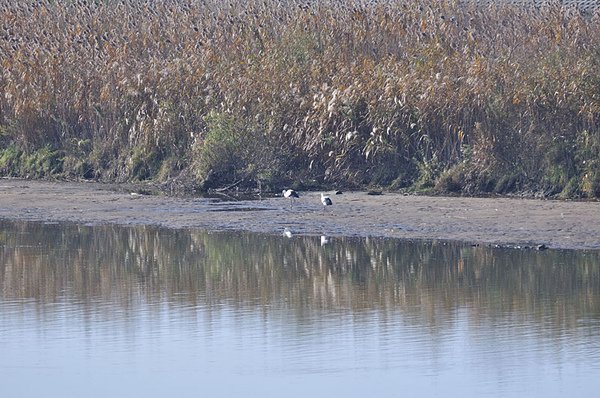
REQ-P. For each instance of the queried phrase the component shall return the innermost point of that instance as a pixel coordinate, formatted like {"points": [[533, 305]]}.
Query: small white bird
{"points": [[287, 233], [290, 193], [324, 240], [326, 201]]}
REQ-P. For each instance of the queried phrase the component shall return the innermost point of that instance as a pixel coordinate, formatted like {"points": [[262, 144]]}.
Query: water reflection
{"points": [[137, 301]]}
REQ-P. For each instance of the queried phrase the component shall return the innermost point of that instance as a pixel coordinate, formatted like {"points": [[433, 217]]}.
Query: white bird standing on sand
{"points": [[290, 193], [326, 200]]}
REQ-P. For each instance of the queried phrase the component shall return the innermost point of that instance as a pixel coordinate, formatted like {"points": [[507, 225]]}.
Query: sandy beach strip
{"points": [[489, 221]]}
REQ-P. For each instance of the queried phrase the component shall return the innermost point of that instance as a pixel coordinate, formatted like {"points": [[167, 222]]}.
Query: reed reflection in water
{"points": [[107, 310]]}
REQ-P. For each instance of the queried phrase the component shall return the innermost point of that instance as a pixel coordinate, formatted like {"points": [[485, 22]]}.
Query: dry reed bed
{"points": [[396, 93]]}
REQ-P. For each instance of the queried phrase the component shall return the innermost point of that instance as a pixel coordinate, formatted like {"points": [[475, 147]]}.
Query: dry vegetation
{"points": [[420, 94]]}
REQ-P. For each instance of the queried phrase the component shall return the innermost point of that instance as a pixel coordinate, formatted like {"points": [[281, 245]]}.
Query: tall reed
{"points": [[440, 93]]}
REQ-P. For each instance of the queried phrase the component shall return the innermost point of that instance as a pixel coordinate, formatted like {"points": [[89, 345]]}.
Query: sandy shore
{"points": [[503, 221]]}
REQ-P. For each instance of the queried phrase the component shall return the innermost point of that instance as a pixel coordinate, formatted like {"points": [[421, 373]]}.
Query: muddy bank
{"points": [[504, 221]]}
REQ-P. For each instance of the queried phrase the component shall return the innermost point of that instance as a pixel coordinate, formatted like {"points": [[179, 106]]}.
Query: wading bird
{"points": [[290, 193], [326, 200]]}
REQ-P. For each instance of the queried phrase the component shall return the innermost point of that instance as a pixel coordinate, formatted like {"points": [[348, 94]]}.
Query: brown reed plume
{"points": [[442, 93]]}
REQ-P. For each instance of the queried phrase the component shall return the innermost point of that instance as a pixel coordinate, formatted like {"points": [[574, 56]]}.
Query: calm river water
{"points": [[99, 311]]}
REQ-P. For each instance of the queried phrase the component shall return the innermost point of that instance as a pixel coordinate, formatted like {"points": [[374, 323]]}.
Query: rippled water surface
{"points": [[111, 311]]}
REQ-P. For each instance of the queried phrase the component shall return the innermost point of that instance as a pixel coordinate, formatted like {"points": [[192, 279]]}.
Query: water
{"points": [[102, 311]]}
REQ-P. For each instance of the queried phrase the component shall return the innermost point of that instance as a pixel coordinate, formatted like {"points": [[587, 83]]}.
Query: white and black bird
{"points": [[290, 193], [326, 201]]}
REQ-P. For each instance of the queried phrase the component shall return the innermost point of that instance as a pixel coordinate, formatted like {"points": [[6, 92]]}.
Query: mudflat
{"points": [[488, 221]]}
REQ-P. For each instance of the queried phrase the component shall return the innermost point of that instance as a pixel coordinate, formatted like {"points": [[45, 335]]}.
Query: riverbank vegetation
{"points": [[421, 95]]}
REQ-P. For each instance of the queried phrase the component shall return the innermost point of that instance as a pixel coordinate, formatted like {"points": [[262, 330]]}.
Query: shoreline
{"points": [[510, 222]]}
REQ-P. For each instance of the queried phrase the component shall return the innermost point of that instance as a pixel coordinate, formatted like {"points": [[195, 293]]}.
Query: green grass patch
{"points": [[44, 162]]}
